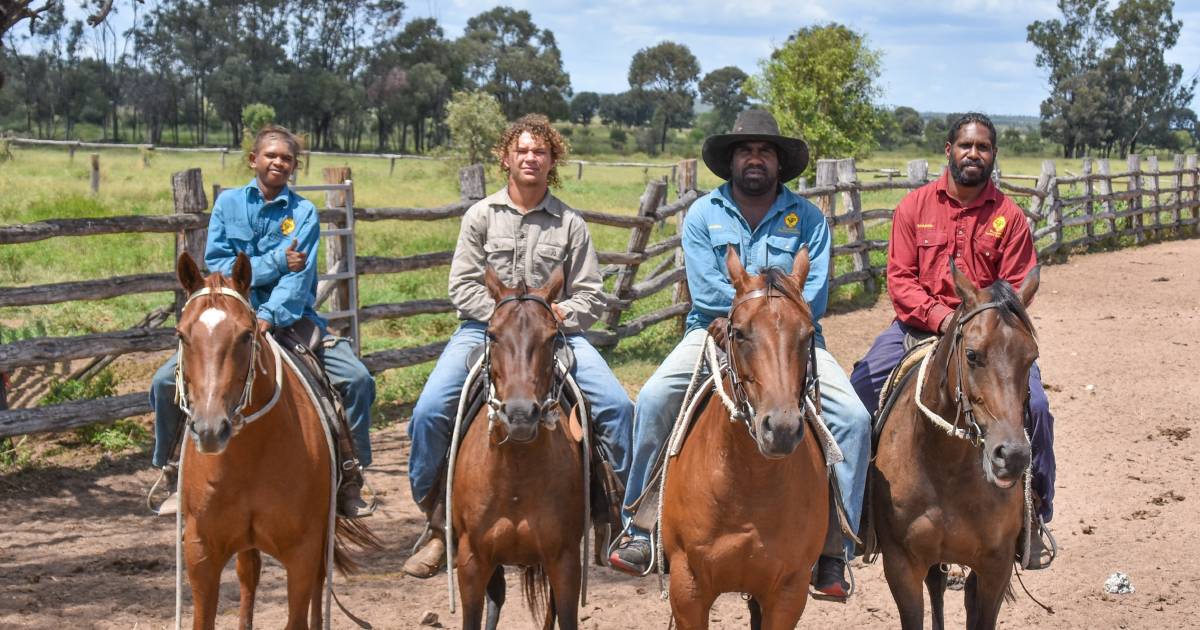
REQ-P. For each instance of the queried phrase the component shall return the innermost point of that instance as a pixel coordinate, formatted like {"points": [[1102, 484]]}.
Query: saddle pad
{"points": [[325, 396], [894, 384]]}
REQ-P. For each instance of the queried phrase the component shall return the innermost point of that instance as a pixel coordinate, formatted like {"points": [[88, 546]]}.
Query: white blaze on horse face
{"points": [[211, 317]]}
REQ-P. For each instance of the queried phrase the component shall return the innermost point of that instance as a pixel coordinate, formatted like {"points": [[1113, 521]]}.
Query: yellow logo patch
{"points": [[997, 229], [791, 220], [287, 226]]}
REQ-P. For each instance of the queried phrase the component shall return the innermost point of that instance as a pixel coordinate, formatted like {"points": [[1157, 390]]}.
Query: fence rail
{"points": [[1095, 207]]}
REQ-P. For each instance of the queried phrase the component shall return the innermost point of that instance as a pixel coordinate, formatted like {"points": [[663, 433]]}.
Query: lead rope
{"points": [[933, 417], [454, 440]]}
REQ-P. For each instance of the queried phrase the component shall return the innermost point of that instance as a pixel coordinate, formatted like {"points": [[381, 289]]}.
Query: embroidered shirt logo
{"points": [[287, 226], [791, 220], [997, 228]]}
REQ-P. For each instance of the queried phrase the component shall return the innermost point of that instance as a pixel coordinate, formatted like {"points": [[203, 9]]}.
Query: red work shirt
{"points": [[989, 240]]}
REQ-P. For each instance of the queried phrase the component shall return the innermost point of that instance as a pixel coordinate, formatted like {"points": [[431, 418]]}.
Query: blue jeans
{"points": [[348, 375], [433, 416], [661, 397], [872, 371]]}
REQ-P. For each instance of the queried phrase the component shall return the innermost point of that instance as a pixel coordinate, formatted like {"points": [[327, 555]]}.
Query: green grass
{"points": [[42, 183]]}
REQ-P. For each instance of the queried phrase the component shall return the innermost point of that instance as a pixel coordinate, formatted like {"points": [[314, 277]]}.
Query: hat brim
{"points": [[718, 153]]}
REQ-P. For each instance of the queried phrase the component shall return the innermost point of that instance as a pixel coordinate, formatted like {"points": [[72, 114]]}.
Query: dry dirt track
{"points": [[1120, 334]]}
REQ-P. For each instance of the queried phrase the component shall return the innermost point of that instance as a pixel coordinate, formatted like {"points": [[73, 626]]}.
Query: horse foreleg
{"points": [[473, 578], [755, 614], [935, 582], [564, 575], [495, 597], [204, 574], [985, 592], [905, 579], [249, 567], [303, 583], [782, 609], [690, 601]]}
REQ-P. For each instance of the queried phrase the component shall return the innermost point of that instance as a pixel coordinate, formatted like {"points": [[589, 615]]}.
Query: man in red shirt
{"points": [[964, 217]]}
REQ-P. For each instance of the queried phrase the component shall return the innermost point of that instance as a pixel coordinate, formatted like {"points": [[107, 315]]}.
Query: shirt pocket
{"points": [[781, 251], [721, 241], [986, 259], [500, 254], [548, 256], [932, 256]]}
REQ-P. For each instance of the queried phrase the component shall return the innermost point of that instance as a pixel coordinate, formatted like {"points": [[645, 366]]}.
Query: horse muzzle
{"points": [[521, 419], [211, 435], [1004, 463], [778, 432]]}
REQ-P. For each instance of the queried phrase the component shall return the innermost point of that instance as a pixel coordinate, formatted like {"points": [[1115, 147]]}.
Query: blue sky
{"points": [[937, 56]]}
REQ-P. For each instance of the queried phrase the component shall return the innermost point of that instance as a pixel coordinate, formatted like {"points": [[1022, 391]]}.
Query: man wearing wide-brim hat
{"points": [[768, 224]]}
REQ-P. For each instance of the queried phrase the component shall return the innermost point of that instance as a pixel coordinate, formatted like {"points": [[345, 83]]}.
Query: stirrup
{"points": [[1044, 535], [819, 596], [172, 468]]}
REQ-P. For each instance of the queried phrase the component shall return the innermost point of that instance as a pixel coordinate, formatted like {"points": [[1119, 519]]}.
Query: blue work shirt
{"points": [[244, 222], [714, 222]]}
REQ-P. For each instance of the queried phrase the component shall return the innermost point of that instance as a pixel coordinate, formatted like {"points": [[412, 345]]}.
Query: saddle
{"points": [[304, 348], [915, 349]]}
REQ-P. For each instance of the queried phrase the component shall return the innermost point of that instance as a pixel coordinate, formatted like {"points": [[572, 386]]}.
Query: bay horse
{"points": [[746, 501], [517, 494], [256, 473], [951, 491]]}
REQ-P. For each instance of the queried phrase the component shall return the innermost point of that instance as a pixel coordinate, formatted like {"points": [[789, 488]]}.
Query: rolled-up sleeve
{"points": [[468, 293], [584, 287]]}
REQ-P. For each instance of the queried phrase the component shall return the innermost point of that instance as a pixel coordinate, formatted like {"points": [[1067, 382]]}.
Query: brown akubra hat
{"points": [[755, 125]]}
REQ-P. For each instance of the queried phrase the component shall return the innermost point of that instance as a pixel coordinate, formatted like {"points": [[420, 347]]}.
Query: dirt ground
{"points": [[1120, 335]]}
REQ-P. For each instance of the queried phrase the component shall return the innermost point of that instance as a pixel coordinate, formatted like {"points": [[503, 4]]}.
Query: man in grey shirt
{"points": [[524, 233]]}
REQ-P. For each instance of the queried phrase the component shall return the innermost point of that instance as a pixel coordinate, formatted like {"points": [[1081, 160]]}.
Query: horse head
{"points": [[992, 346], [522, 336], [769, 344], [218, 341]]}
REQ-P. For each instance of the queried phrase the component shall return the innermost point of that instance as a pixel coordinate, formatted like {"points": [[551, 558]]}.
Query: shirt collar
{"points": [[784, 199], [989, 193], [254, 193], [549, 203]]}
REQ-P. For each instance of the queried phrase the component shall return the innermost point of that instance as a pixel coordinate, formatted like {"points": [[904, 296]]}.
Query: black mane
{"points": [[1011, 305]]}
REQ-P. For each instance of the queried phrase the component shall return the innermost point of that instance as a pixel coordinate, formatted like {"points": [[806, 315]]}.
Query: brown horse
{"points": [[746, 502], [256, 472], [518, 492], [950, 491]]}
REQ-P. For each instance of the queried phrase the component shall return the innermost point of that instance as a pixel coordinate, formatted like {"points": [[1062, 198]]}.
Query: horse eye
{"points": [[246, 337], [491, 336], [973, 357], [738, 334]]}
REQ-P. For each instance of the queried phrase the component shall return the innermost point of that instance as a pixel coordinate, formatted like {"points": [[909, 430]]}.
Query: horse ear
{"points": [[1029, 285], [189, 274], [800, 267], [737, 273], [243, 274], [492, 281], [963, 287], [554, 285]]}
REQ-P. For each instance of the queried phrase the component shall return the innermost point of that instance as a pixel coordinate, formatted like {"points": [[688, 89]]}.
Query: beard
{"points": [[755, 181], [962, 179]]}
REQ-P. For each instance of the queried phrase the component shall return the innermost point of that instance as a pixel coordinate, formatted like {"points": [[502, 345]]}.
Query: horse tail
{"points": [[352, 536], [536, 586], [1010, 595]]}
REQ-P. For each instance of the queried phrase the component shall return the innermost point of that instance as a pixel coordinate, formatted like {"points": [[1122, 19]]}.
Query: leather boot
{"points": [[430, 558], [350, 503]]}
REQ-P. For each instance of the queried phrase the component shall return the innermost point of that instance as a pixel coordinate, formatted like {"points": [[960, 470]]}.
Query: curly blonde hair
{"points": [[539, 127]]}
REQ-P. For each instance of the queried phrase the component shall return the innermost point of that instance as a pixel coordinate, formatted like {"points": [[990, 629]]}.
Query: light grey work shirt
{"points": [[526, 246]]}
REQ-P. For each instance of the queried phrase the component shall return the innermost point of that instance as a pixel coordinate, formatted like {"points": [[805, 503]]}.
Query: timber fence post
{"points": [[918, 171], [1177, 197], [827, 177], [1156, 219], [1110, 206], [471, 182], [1135, 221], [1039, 206], [335, 248], [224, 153], [656, 191], [95, 173], [392, 167], [847, 174], [1194, 167], [579, 170], [187, 189], [688, 176], [71, 153], [1089, 208]]}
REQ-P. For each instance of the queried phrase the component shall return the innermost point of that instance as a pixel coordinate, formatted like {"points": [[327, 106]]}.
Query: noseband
{"points": [[495, 404], [742, 409], [240, 419]]}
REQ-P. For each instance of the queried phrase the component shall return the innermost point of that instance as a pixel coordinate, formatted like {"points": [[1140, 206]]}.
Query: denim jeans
{"points": [[871, 372], [347, 373], [433, 416], [661, 397]]}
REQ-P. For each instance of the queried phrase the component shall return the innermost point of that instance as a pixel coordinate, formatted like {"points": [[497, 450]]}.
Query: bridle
{"points": [[965, 425], [240, 419], [494, 404], [742, 409]]}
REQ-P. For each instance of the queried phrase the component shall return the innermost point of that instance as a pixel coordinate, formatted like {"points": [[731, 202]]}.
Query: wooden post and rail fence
{"points": [[1097, 207]]}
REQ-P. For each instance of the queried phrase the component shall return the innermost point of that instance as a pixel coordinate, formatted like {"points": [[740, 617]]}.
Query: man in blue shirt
{"points": [[279, 230], [767, 224]]}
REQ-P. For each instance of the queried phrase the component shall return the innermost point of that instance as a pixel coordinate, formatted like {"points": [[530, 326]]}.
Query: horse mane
{"points": [[781, 281], [1012, 309]]}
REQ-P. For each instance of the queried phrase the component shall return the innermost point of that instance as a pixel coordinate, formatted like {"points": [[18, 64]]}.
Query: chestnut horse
{"points": [[746, 501], [946, 485], [518, 491], [256, 471]]}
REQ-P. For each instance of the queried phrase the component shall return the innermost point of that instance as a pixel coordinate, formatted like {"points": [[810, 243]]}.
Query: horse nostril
{"points": [[226, 430], [999, 453], [766, 423]]}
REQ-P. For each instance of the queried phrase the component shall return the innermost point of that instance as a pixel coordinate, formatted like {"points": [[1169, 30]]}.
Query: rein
{"points": [[240, 419], [739, 404], [495, 404]]}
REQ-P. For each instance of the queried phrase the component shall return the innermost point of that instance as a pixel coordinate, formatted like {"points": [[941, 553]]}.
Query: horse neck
{"points": [[940, 448]]}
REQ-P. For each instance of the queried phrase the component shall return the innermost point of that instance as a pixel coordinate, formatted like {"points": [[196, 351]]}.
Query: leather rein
{"points": [[494, 404], [240, 419], [741, 403]]}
